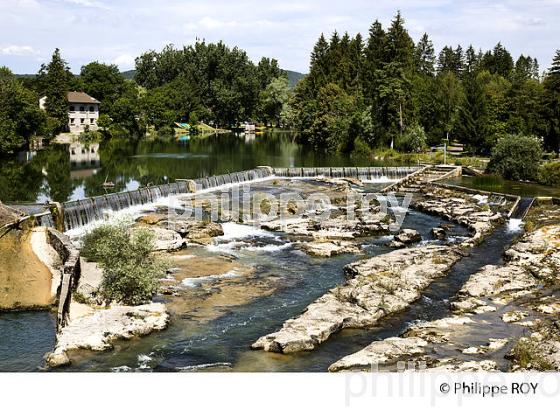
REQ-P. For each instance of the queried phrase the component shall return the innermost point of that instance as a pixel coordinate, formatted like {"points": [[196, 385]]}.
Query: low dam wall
{"points": [[84, 211], [362, 173]]}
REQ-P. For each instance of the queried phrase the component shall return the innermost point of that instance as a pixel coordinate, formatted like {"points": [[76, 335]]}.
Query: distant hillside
{"points": [[293, 76], [129, 75]]}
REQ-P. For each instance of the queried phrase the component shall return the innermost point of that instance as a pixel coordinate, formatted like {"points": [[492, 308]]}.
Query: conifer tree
{"points": [[54, 79], [424, 56]]}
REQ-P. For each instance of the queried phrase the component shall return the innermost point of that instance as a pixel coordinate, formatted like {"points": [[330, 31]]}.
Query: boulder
{"points": [[385, 351], [99, 329], [151, 219], [204, 232], [513, 316], [455, 365], [166, 239], [408, 236], [396, 245], [379, 286], [439, 233], [59, 359], [328, 249]]}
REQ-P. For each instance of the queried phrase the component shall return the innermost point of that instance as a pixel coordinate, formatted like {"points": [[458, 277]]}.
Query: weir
{"points": [[522, 207], [85, 211]]}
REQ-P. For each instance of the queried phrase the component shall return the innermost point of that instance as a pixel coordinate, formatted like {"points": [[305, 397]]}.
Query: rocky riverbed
{"points": [[97, 329], [211, 277], [502, 312], [388, 283]]}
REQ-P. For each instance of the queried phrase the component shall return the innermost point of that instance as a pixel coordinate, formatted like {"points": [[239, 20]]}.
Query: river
{"points": [[69, 172], [291, 279]]}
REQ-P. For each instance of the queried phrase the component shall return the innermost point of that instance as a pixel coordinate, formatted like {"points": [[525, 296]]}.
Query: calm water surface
{"points": [[68, 172], [496, 183], [24, 338]]}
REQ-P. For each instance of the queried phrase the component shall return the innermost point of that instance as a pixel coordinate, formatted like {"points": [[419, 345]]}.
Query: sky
{"points": [[118, 31]]}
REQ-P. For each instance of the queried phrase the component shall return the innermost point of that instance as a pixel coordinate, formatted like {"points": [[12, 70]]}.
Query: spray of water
{"points": [[515, 225]]}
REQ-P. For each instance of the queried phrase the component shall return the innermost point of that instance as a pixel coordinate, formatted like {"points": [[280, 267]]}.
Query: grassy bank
{"points": [[432, 158]]}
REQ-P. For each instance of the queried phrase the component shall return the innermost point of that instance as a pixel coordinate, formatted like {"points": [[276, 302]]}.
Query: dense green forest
{"points": [[361, 93], [212, 83], [385, 89]]}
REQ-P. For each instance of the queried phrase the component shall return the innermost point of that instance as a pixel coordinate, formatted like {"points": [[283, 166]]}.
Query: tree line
{"points": [[385, 91], [211, 82]]}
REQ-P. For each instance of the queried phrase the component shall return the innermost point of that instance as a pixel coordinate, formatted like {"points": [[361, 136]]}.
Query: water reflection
{"points": [[69, 172]]}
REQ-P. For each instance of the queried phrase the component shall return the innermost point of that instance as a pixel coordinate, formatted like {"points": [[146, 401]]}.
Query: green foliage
{"points": [[516, 157], [413, 140], [220, 84], [331, 119], [528, 355], [361, 149], [20, 116], [475, 97], [103, 82], [87, 137], [424, 56], [549, 174], [54, 81], [130, 268], [273, 101]]}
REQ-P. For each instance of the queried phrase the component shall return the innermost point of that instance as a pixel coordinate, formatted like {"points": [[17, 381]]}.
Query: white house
{"points": [[83, 111]]}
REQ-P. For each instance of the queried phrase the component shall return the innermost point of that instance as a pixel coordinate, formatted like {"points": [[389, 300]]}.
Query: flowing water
{"points": [[285, 281]]}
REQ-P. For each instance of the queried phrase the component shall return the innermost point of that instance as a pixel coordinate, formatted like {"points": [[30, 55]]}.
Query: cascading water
{"points": [[362, 173], [83, 212]]}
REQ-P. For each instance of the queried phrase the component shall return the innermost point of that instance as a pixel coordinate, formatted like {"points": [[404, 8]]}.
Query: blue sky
{"points": [[119, 30]]}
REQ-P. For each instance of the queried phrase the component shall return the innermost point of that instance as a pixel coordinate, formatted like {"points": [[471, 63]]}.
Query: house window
{"points": [[82, 108], [72, 108], [91, 109], [72, 121], [91, 120], [82, 120]]}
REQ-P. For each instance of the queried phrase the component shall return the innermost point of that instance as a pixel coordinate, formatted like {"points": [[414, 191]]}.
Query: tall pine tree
{"points": [[54, 79], [424, 56]]}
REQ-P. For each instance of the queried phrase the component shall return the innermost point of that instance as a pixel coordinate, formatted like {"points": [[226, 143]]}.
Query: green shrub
{"points": [[361, 148], [166, 132], [516, 157], [549, 174], [130, 268], [87, 137], [413, 140]]}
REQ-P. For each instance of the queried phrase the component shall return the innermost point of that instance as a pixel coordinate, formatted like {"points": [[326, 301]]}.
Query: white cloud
{"points": [[124, 61], [212, 23], [120, 30], [15, 50], [87, 3]]}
